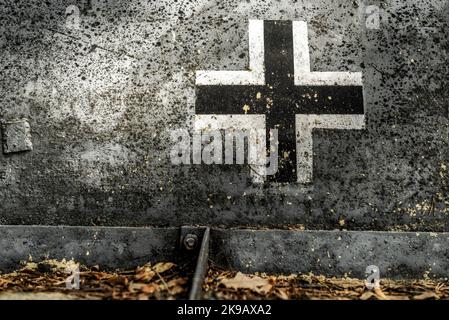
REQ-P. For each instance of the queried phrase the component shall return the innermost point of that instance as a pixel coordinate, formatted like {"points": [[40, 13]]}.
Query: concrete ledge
{"points": [[108, 247], [332, 253]]}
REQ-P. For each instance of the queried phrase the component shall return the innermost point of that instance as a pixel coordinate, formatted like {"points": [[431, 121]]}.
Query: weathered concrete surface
{"points": [[333, 253], [107, 247], [102, 96]]}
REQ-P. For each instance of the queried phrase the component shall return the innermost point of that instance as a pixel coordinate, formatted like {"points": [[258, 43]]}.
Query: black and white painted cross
{"points": [[280, 87]]}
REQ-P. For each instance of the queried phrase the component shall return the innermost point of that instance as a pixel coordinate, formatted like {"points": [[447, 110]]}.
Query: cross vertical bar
{"points": [[279, 73]]}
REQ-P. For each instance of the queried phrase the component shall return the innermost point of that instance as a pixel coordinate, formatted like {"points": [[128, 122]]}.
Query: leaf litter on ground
{"points": [[163, 280], [229, 285], [166, 280]]}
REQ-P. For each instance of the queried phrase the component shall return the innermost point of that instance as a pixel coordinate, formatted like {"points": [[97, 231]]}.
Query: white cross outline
{"points": [[303, 76]]}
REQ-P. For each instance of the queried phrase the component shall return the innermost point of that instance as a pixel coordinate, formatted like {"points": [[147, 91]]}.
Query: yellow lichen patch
{"points": [[269, 103], [443, 170], [426, 207]]}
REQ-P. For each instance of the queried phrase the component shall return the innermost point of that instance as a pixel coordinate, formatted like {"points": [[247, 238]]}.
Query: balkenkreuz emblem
{"points": [[280, 86]]}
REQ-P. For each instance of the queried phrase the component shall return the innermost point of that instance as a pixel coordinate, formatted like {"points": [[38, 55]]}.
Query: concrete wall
{"points": [[102, 99]]}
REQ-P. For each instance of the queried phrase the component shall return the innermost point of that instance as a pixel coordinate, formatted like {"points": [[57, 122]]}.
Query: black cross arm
{"points": [[326, 99], [231, 99], [294, 100]]}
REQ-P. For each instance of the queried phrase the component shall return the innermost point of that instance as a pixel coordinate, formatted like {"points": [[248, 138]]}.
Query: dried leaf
{"points": [[142, 287], [242, 281], [176, 282], [390, 297], [282, 294], [379, 294], [149, 289], [144, 273], [367, 295], [97, 275], [162, 267], [118, 280], [426, 295], [177, 290]]}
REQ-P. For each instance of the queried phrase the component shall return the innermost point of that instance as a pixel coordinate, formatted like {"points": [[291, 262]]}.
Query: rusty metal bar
{"points": [[201, 268]]}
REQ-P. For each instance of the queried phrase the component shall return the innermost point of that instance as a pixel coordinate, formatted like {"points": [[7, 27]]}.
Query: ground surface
{"points": [[49, 279]]}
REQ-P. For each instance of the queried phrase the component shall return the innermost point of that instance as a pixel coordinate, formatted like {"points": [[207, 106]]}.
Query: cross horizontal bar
{"points": [[297, 100]]}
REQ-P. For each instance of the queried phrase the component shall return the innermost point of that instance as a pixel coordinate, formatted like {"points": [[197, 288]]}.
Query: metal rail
{"points": [[196, 289]]}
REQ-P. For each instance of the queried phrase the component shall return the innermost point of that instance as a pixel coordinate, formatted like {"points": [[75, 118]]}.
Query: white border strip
{"points": [[305, 123], [303, 75], [256, 73]]}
